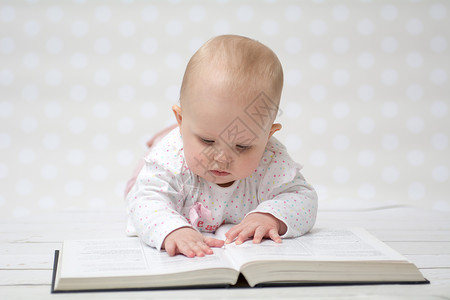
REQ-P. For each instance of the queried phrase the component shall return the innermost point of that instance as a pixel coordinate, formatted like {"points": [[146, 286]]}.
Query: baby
{"points": [[221, 164]]}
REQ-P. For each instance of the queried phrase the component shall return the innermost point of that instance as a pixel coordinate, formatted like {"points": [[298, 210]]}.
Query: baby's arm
{"points": [[154, 205]]}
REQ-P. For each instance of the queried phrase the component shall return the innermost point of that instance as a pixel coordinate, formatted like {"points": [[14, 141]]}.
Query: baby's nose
{"points": [[222, 157]]}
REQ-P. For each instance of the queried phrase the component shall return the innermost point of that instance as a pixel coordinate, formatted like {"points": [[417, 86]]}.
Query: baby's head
{"points": [[229, 100]]}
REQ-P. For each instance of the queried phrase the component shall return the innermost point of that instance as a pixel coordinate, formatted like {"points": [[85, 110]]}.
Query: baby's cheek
{"points": [[198, 165], [194, 163], [248, 164]]}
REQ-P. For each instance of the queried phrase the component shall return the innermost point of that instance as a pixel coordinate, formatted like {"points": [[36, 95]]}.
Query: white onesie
{"points": [[167, 195]]}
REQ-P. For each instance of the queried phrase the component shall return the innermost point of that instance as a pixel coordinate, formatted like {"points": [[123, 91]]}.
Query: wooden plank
{"points": [[58, 236], [28, 248], [25, 277], [80, 216], [438, 277], [351, 220], [72, 226], [430, 261], [58, 232], [429, 248], [396, 218], [412, 235], [388, 292], [27, 256], [26, 262]]}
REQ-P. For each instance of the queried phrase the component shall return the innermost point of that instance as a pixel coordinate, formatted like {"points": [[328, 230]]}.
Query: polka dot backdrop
{"points": [[85, 83]]}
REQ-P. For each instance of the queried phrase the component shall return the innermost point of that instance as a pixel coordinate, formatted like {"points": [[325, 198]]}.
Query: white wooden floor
{"points": [[27, 247]]}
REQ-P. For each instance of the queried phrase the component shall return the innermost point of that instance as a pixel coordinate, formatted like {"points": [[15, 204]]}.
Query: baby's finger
{"points": [[212, 242], [274, 236], [205, 248], [232, 233], [244, 235], [185, 249], [260, 232], [170, 248], [198, 248]]}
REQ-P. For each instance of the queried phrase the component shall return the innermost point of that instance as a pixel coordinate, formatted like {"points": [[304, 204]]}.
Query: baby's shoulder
{"points": [[168, 152], [276, 157], [276, 153], [276, 167]]}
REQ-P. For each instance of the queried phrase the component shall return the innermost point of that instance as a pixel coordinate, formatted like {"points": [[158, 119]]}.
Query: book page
{"points": [[160, 262], [347, 244], [124, 257], [96, 257], [318, 245]]}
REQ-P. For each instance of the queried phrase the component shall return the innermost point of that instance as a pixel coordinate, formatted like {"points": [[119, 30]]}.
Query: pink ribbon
{"points": [[198, 211]]}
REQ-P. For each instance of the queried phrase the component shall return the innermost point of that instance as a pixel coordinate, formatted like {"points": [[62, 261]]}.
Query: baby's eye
{"points": [[206, 141], [242, 147]]}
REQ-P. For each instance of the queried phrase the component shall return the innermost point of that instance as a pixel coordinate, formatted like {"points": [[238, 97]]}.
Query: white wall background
{"points": [[83, 84]]}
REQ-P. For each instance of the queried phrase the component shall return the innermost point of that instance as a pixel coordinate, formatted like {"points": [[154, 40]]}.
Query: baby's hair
{"points": [[244, 64]]}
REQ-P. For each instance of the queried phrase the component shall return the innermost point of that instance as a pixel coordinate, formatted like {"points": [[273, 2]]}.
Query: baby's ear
{"points": [[177, 112], [275, 127]]}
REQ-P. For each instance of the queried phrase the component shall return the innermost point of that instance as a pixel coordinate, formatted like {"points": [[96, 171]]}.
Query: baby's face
{"points": [[222, 143]]}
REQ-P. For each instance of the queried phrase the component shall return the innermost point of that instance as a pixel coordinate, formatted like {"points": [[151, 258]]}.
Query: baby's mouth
{"points": [[219, 173]]}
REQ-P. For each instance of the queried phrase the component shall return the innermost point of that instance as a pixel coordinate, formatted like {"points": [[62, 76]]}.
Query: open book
{"points": [[323, 256]]}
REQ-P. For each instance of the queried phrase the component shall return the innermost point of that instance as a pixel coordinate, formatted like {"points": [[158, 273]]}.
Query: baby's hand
{"points": [[189, 242], [258, 226]]}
